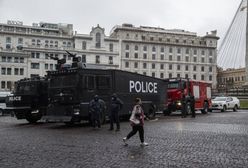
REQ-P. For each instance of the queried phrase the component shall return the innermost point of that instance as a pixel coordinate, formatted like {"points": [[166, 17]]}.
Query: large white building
{"points": [[26, 51], [97, 48], [167, 53]]}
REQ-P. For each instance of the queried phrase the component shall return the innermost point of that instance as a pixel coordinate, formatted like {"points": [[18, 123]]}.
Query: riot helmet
{"points": [[96, 97]]}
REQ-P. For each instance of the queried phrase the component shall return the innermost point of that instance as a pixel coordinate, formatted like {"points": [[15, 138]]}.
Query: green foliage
{"points": [[243, 103]]}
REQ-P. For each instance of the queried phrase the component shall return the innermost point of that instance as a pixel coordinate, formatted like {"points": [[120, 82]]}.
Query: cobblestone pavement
{"points": [[212, 140]]}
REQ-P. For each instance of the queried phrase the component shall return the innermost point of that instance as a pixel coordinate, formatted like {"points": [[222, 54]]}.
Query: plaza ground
{"points": [[212, 140]]}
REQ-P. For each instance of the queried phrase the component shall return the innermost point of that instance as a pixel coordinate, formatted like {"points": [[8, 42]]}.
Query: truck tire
{"points": [[33, 117], [69, 123], [205, 108], [167, 112], [151, 113], [224, 108], [73, 121], [235, 108]]}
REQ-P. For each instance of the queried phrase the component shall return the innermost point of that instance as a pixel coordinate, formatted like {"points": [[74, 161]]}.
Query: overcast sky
{"points": [[198, 16]]}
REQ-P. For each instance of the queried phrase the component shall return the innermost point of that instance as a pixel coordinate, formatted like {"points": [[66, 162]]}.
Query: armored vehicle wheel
{"points": [[33, 116], [69, 123], [205, 108], [151, 113], [167, 112]]}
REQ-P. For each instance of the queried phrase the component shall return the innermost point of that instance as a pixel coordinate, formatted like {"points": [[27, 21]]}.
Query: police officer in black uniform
{"points": [[192, 105], [97, 106], [183, 106], [116, 105]]}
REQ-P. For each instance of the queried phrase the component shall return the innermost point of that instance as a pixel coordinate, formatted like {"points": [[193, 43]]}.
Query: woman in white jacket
{"points": [[137, 122]]}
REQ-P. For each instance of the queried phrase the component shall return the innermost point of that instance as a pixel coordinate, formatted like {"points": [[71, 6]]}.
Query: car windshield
{"points": [[173, 85], [25, 87], [220, 99], [2, 99]]}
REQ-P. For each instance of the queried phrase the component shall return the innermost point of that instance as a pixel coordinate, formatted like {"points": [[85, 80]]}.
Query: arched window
{"points": [[98, 40]]}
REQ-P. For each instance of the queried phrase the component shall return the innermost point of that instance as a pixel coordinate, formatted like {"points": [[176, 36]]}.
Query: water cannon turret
{"points": [[75, 60], [60, 62]]}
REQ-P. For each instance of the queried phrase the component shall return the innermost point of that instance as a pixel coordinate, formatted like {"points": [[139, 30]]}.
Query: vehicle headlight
{"points": [[179, 103], [35, 111], [76, 111]]}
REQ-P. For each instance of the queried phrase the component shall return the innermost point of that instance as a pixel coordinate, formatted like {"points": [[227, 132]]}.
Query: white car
{"points": [[225, 103], [3, 96]]}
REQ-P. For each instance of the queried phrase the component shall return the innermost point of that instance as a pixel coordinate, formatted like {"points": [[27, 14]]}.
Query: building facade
{"points": [[230, 79], [27, 51], [97, 48], [165, 53]]}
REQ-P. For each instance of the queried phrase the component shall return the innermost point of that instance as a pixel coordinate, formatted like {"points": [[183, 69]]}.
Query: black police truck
{"points": [[29, 99], [71, 89]]}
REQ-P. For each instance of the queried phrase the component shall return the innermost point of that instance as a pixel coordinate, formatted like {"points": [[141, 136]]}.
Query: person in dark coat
{"points": [[96, 106], [116, 105], [192, 105], [183, 106]]}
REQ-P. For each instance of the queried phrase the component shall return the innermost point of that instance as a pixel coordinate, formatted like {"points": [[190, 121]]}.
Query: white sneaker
{"points": [[125, 140], [144, 144]]}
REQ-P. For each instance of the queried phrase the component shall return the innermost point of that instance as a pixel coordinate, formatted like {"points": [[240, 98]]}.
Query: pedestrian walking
{"points": [[116, 105], [183, 110], [97, 107], [137, 123], [192, 105]]}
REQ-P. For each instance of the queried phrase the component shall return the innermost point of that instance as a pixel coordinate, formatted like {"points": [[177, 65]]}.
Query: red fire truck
{"points": [[177, 87]]}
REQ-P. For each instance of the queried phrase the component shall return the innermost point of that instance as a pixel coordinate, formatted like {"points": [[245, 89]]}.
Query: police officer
{"points": [[192, 105], [97, 106], [116, 105], [183, 106]]}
